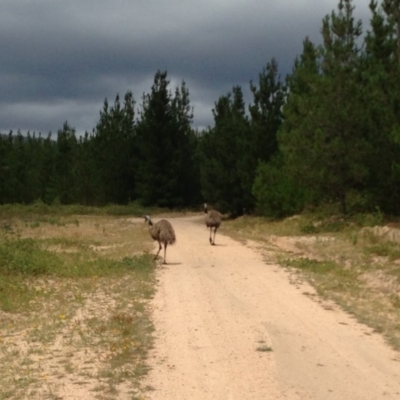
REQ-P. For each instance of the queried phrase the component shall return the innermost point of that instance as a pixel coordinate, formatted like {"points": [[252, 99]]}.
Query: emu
{"points": [[213, 221], [163, 232]]}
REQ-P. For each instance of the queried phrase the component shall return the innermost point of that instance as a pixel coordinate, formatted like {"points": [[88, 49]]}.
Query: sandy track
{"points": [[217, 306]]}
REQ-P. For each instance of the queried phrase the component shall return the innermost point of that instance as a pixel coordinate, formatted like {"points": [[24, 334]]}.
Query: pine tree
{"points": [[114, 150], [296, 135], [392, 11], [6, 165], [90, 185], [328, 151], [277, 194], [18, 174], [266, 119], [33, 164], [164, 171], [48, 187], [380, 81], [4, 150], [266, 112], [65, 180], [227, 165]]}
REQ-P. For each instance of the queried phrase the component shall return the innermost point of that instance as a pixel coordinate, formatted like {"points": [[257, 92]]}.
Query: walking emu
{"points": [[163, 232], [212, 220]]}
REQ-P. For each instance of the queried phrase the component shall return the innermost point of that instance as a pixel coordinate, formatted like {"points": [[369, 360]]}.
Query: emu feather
{"points": [[213, 221], [163, 233]]}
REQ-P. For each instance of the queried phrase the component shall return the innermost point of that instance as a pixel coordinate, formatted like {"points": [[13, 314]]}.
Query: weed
{"points": [[264, 348], [15, 294], [308, 228], [368, 220], [317, 267], [85, 291], [385, 249], [24, 257]]}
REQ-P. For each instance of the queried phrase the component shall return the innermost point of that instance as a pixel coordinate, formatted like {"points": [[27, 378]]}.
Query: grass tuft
{"points": [[264, 348], [25, 257], [73, 301]]}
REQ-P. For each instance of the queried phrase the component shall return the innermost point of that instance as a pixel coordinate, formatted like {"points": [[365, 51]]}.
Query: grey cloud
{"points": [[60, 59]]}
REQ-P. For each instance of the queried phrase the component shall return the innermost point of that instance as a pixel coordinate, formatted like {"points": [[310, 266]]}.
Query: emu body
{"points": [[163, 233], [213, 221]]}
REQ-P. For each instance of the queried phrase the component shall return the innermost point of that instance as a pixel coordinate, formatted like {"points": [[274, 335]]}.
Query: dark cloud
{"points": [[60, 59]]}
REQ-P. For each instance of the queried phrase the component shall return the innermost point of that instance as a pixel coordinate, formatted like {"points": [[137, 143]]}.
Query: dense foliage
{"points": [[150, 159], [329, 132]]}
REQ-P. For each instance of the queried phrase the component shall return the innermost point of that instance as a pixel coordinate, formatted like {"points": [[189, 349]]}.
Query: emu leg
{"points": [[155, 257], [165, 253], [210, 235], [215, 232]]}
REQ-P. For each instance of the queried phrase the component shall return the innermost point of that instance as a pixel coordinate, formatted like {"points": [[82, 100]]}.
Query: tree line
{"points": [[328, 132]]}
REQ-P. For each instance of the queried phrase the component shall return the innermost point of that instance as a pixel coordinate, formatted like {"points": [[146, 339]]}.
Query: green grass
{"points": [[390, 250], [15, 294], [25, 257], [51, 211], [85, 280], [330, 278], [313, 266]]}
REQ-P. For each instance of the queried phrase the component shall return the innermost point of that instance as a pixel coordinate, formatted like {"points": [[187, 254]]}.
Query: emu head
{"points": [[148, 219], [205, 208]]}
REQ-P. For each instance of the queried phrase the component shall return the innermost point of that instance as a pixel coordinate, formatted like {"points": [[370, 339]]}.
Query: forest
{"points": [[328, 132]]}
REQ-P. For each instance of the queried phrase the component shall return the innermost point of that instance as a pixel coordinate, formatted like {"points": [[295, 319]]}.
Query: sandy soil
{"points": [[230, 324]]}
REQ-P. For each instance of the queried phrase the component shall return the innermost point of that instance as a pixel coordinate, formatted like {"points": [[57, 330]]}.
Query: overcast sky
{"points": [[59, 59]]}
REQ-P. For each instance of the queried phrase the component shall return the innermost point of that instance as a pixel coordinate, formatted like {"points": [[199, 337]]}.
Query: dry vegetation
{"points": [[354, 261], [73, 306], [74, 291]]}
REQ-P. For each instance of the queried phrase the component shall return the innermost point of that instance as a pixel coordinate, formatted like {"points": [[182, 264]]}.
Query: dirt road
{"points": [[230, 325]]}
